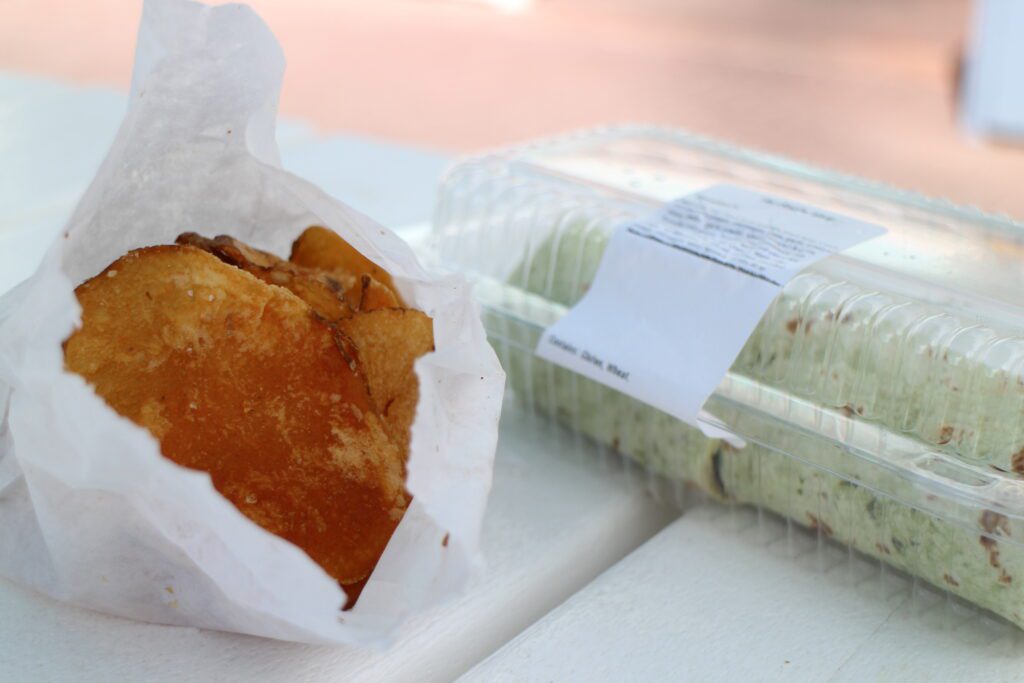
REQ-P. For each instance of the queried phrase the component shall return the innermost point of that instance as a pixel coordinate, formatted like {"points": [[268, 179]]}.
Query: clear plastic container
{"points": [[881, 396]]}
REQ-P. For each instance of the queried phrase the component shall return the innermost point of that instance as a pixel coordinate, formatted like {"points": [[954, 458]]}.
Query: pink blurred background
{"points": [[864, 87]]}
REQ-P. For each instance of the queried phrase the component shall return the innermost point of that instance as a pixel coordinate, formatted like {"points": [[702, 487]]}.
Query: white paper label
{"points": [[677, 295]]}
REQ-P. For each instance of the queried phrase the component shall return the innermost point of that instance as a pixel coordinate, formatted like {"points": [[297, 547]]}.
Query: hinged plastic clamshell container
{"points": [[881, 395]]}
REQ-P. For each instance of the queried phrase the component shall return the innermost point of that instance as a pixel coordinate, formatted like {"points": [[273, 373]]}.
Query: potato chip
{"points": [[388, 342], [239, 379], [332, 296], [374, 295], [232, 251], [326, 250]]}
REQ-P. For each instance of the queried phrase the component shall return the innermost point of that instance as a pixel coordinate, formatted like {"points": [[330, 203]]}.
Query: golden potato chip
{"points": [[326, 250], [332, 296], [374, 295], [239, 379], [388, 342], [232, 251]]}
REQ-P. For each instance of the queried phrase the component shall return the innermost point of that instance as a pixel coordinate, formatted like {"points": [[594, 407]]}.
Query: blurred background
{"points": [[867, 87]]}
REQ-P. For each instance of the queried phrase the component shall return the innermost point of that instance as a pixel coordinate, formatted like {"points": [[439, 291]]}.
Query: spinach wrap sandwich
{"points": [[899, 435]]}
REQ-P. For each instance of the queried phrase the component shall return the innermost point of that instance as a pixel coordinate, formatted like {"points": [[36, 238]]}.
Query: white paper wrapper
{"points": [[90, 512]]}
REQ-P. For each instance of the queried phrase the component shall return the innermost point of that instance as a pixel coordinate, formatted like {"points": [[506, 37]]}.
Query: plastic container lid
{"points": [[892, 372]]}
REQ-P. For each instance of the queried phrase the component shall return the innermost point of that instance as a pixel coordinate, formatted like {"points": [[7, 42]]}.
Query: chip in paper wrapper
{"points": [[90, 512]]}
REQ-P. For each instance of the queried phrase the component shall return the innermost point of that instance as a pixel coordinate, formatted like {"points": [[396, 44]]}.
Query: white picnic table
{"points": [[588, 577]]}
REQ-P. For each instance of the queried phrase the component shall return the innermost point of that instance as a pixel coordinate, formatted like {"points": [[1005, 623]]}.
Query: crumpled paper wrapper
{"points": [[90, 512]]}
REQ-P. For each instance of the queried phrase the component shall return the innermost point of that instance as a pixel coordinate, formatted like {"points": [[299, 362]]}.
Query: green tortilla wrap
{"points": [[906, 371]]}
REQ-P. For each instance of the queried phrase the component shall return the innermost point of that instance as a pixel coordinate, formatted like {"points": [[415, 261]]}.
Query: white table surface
{"points": [[697, 602], [723, 597], [553, 523]]}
